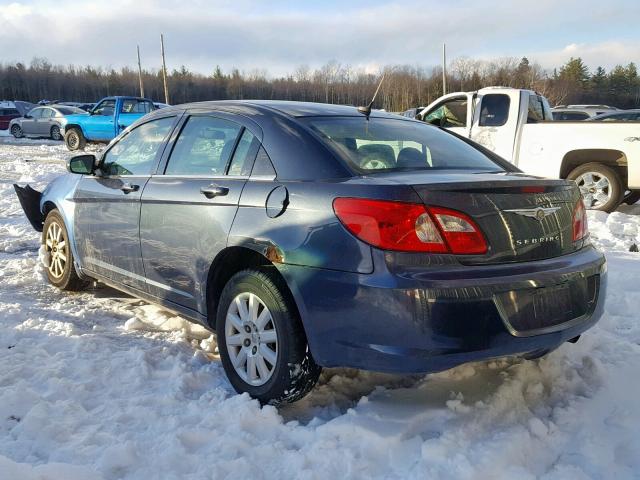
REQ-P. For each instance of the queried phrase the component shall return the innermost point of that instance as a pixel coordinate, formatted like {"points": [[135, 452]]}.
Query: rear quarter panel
{"points": [[544, 145]]}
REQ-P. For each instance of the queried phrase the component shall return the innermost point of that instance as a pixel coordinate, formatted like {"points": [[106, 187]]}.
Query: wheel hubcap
{"points": [[73, 140], [595, 189], [56, 248], [251, 339]]}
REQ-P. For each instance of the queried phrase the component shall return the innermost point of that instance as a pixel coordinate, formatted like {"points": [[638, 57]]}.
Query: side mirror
{"points": [[26, 115], [82, 164]]}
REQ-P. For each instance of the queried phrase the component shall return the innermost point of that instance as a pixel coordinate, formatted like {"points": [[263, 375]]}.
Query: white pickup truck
{"points": [[602, 157]]}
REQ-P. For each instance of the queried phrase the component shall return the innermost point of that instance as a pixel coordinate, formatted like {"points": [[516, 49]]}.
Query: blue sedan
{"points": [[310, 235]]}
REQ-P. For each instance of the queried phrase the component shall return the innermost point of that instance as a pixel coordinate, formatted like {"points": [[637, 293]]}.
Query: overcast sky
{"points": [[278, 36]]}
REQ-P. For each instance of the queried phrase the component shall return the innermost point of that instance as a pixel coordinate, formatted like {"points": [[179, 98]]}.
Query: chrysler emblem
{"points": [[539, 213]]}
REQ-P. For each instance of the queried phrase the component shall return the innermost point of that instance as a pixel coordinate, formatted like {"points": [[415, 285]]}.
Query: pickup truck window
{"points": [[453, 111], [135, 153], [203, 147], [536, 110], [134, 105], [106, 107], [494, 111]]}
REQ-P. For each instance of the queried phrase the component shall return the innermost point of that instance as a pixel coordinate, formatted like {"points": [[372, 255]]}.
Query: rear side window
{"points": [[536, 110], [204, 147], [494, 111], [244, 154], [135, 153], [133, 105]]}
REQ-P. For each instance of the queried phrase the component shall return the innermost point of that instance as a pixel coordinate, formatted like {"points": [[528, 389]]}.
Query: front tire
{"points": [[16, 131], [601, 186], [55, 133], [61, 271], [74, 139], [261, 341]]}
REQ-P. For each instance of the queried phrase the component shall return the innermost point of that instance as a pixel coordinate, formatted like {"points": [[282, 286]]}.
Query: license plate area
{"points": [[543, 310]]}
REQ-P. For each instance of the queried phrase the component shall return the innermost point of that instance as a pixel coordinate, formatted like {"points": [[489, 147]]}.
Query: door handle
{"points": [[128, 188], [214, 190]]}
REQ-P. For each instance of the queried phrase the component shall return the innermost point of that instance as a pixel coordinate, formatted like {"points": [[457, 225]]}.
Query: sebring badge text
{"points": [[533, 241]]}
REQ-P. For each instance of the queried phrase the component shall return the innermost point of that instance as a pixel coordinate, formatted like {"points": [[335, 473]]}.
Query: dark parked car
{"points": [[42, 122], [311, 235], [6, 115]]}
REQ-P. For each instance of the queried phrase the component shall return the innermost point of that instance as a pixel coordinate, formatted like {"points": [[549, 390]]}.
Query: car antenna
{"points": [[366, 111]]}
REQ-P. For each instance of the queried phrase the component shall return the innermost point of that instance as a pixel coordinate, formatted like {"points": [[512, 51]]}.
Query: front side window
{"points": [[134, 105], [106, 107], [452, 113], [384, 144], [204, 147], [494, 111], [135, 153]]}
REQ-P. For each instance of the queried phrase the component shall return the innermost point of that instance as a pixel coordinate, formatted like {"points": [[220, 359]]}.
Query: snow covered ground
{"points": [[101, 385]]}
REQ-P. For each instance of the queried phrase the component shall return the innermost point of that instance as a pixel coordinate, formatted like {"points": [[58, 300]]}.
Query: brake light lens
{"points": [[580, 226], [410, 227]]}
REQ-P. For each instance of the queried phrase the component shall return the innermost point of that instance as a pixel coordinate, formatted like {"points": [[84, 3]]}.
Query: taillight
{"points": [[410, 227], [580, 227]]}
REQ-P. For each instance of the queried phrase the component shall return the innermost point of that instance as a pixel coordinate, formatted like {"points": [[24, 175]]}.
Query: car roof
{"points": [[289, 108]]}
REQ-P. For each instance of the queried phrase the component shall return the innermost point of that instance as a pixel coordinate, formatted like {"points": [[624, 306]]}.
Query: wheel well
{"points": [[231, 261], [47, 207], [612, 158], [73, 125]]}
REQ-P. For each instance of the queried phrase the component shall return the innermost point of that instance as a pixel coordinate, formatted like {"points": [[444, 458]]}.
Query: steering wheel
{"points": [[375, 163]]}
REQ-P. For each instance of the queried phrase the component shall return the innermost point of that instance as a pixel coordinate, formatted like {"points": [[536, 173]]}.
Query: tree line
{"points": [[404, 86]]}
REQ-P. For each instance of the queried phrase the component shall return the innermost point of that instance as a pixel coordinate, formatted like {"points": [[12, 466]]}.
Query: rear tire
{"points": [[74, 139], [16, 131], [263, 349], [55, 133], [601, 186], [61, 271]]}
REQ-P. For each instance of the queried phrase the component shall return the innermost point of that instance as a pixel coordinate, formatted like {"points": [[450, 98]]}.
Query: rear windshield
{"points": [[69, 110], [384, 144]]}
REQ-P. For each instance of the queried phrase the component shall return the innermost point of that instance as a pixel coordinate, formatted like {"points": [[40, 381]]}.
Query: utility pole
{"points": [[164, 71], [140, 73], [444, 69]]}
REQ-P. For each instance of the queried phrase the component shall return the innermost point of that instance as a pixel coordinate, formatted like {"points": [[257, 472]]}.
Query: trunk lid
{"points": [[523, 218]]}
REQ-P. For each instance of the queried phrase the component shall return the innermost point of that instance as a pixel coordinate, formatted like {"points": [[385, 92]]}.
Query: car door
{"points": [[100, 124], [188, 209], [495, 123], [107, 213], [44, 123], [30, 122]]}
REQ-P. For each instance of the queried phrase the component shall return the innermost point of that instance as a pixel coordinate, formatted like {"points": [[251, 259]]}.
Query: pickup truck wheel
{"points": [[61, 271], [601, 186], [16, 131], [74, 139], [261, 341], [632, 197], [55, 133]]}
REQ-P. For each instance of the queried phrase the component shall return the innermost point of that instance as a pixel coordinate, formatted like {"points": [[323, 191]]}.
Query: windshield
{"points": [[384, 144]]}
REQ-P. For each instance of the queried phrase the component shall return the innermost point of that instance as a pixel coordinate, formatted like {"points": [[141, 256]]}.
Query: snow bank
{"points": [[102, 385]]}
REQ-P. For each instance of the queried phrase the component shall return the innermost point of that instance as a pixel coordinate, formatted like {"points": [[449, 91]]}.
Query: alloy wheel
{"points": [[251, 339], [16, 131], [595, 189], [56, 249], [55, 133], [73, 140]]}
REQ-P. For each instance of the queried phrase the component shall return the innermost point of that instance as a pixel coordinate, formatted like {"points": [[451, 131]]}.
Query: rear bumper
{"points": [[416, 319]]}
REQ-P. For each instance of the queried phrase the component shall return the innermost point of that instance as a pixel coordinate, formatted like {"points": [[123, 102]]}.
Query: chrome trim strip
{"points": [[135, 276]]}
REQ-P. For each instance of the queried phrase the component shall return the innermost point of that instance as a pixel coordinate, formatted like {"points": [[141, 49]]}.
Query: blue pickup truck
{"points": [[104, 122]]}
